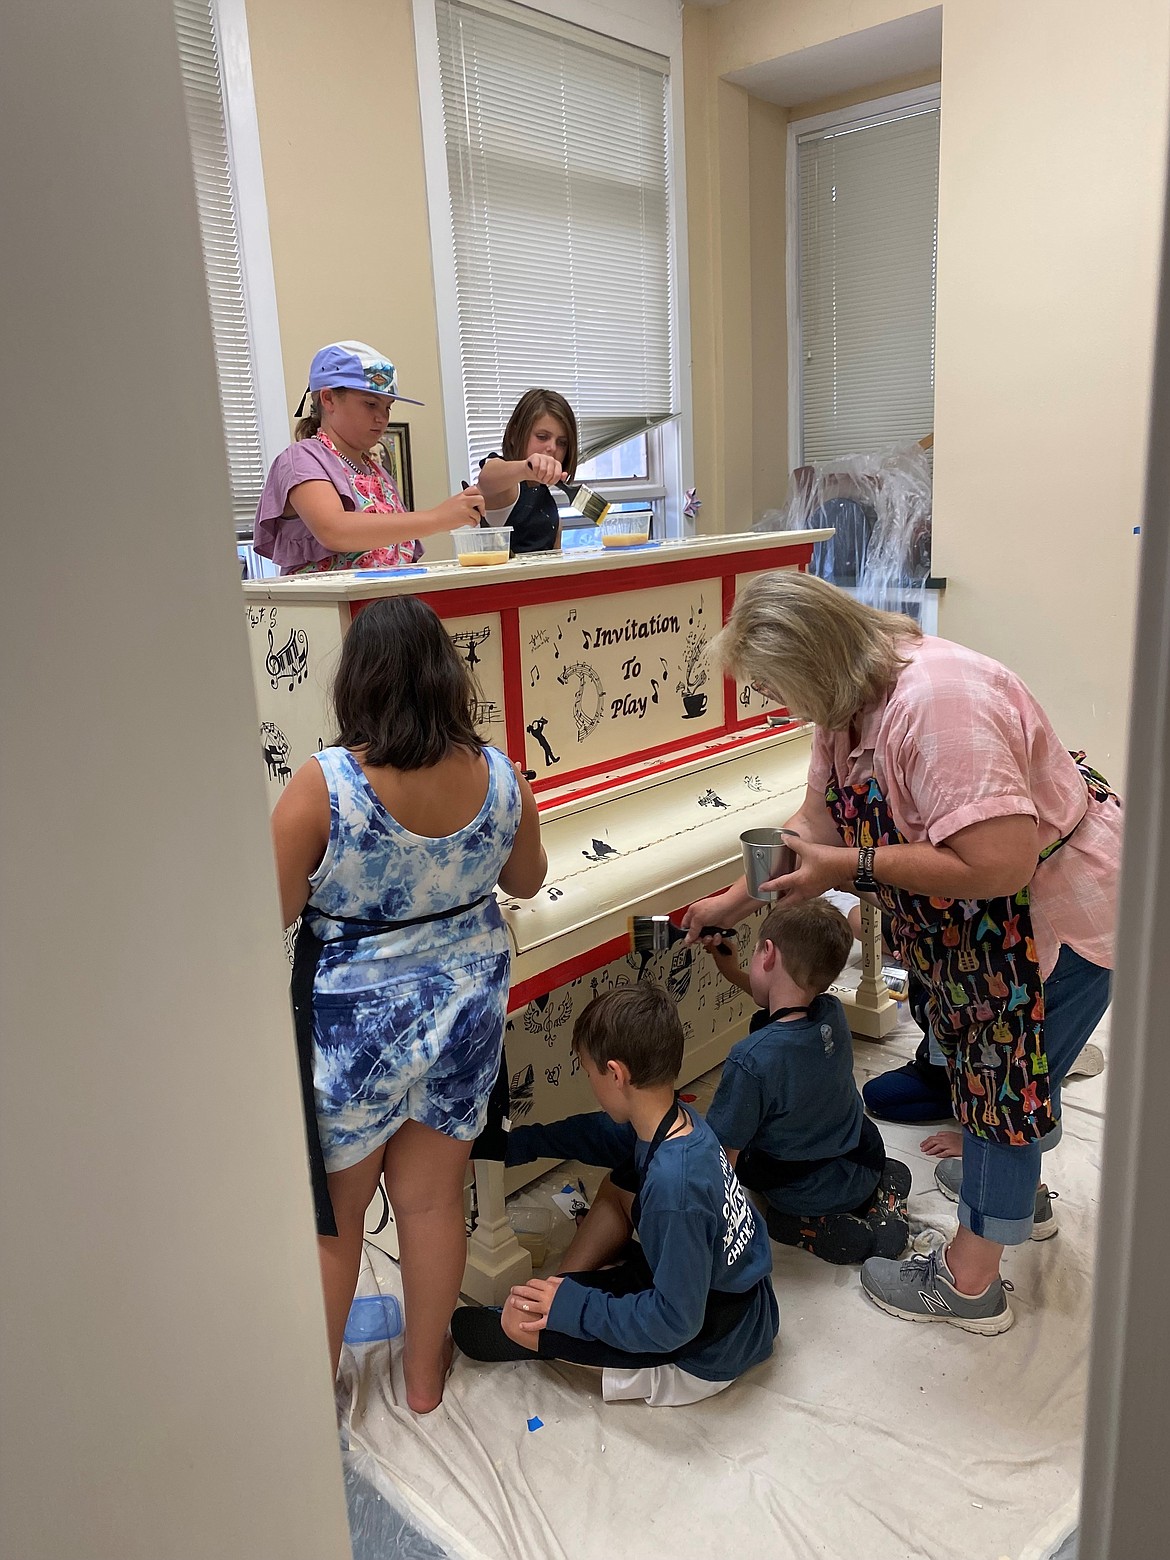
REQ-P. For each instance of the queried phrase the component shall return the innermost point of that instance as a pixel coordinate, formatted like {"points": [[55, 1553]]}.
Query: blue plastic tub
{"points": [[373, 1318]]}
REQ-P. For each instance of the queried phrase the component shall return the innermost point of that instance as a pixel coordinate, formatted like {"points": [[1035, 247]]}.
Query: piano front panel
{"points": [[615, 674]]}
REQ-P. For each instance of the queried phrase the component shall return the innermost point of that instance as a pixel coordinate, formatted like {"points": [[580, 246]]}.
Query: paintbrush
{"points": [[657, 933], [590, 505]]}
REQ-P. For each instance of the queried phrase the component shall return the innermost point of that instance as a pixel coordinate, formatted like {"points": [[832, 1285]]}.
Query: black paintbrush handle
{"points": [[722, 932]]}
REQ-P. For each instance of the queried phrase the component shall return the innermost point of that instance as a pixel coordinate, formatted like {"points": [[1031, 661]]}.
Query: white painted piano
{"points": [[647, 766]]}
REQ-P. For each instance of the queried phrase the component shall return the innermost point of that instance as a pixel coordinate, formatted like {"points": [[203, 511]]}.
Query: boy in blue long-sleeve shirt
{"points": [[787, 1110], [680, 1315]]}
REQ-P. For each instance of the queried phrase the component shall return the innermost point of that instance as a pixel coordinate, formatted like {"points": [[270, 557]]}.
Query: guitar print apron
{"points": [[977, 960]]}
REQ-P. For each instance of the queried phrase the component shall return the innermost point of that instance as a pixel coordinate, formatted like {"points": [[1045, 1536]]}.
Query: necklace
{"points": [[360, 471]]}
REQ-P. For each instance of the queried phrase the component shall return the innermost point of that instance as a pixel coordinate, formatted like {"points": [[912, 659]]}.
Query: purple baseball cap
{"points": [[352, 365]]}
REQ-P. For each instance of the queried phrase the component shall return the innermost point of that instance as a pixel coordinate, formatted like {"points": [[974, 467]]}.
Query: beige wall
{"points": [[164, 1378], [1045, 312], [1046, 293], [735, 155], [347, 207]]}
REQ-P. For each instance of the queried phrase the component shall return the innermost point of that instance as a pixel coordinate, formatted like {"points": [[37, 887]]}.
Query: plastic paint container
{"points": [[373, 1319]]}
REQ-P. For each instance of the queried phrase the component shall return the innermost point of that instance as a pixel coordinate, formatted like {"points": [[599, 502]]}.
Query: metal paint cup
{"points": [[766, 856]]}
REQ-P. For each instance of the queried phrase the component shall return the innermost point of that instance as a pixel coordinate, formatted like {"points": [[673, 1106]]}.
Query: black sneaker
{"points": [[479, 1334]]}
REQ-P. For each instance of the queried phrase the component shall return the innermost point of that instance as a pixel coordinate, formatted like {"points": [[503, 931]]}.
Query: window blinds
{"points": [[199, 56], [867, 224], [557, 168]]}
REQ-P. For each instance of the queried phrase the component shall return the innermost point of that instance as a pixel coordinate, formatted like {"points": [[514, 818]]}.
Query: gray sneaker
{"points": [[948, 1177], [1089, 1063], [922, 1290]]}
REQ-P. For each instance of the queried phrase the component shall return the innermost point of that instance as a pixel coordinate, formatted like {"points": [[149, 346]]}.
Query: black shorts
{"points": [[723, 1314]]}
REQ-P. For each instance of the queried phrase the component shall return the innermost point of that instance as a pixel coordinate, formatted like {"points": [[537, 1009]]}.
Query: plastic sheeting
{"points": [[879, 506], [863, 1435]]}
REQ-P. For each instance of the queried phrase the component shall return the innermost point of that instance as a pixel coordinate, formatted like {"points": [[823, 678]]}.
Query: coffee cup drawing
{"points": [[694, 705]]}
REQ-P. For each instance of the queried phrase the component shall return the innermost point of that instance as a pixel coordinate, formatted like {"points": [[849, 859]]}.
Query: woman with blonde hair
{"points": [[938, 786]]}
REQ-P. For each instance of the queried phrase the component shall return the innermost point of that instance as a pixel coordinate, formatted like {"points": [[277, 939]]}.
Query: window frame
{"points": [[237, 93], [670, 446], [873, 112]]}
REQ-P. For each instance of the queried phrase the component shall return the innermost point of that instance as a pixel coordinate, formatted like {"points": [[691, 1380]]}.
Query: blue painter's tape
{"points": [[386, 574], [535, 1424]]}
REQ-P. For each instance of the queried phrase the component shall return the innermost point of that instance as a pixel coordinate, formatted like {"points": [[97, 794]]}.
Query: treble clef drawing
{"points": [[586, 722], [291, 662]]}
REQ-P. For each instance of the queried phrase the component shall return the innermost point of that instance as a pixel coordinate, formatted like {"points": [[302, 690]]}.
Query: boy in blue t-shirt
{"points": [[678, 1316], [787, 1110]]}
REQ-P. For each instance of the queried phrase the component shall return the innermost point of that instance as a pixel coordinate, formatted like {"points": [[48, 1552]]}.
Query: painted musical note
{"points": [[572, 615], [534, 677], [654, 686]]}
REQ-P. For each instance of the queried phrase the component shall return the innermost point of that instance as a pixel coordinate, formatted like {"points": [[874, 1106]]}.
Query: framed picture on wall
{"points": [[395, 447]]}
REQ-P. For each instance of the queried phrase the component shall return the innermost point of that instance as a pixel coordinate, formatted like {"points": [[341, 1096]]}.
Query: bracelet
{"points": [[865, 882]]}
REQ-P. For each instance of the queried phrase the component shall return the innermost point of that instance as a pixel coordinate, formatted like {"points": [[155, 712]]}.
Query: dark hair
{"points": [[402, 691], [531, 405], [813, 941], [638, 1026]]}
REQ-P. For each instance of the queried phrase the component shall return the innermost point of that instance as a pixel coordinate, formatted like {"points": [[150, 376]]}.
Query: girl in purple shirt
{"points": [[328, 503]]}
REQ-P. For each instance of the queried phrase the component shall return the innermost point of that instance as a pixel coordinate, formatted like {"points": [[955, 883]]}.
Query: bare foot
{"points": [[424, 1389], [943, 1145]]}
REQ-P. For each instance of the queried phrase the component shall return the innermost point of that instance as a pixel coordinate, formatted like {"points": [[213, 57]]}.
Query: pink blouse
{"points": [[960, 740]]}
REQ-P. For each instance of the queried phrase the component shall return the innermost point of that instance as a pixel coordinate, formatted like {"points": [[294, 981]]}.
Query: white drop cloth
{"points": [[863, 1438]]}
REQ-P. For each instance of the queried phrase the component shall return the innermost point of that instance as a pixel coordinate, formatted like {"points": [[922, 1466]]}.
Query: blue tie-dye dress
{"points": [[407, 1024]]}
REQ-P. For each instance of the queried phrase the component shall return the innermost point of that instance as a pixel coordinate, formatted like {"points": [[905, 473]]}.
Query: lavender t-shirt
{"points": [[286, 539]]}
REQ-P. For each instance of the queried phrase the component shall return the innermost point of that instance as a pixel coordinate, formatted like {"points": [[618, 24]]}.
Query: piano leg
{"points": [[495, 1258], [871, 1011]]}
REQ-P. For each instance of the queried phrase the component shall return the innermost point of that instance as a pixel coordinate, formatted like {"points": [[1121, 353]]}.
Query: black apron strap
{"points": [[306, 952], [375, 928], [662, 1132]]}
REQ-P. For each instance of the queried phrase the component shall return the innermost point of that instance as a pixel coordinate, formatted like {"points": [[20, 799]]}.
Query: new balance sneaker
{"points": [[948, 1177], [922, 1289]]}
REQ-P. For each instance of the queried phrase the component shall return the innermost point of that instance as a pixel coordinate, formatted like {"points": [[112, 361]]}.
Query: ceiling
{"points": [[861, 59]]}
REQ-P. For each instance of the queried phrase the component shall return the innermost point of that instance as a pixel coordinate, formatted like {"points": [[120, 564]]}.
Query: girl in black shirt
{"points": [[539, 449]]}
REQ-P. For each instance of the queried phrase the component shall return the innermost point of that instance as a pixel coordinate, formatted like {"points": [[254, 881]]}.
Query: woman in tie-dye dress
{"points": [[389, 845]]}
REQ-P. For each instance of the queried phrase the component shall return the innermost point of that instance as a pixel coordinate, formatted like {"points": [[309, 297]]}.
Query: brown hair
{"points": [[402, 691], [820, 651], [308, 426], [638, 1026], [813, 941], [531, 405]]}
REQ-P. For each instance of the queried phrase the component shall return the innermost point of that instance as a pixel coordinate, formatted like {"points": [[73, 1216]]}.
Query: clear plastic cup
{"points": [[625, 530], [484, 546]]}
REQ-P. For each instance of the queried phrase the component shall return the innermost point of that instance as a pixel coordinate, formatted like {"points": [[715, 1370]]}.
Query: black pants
{"points": [[723, 1315]]}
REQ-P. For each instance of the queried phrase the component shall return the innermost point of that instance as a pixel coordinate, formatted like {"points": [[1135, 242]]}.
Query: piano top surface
{"points": [[447, 574]]}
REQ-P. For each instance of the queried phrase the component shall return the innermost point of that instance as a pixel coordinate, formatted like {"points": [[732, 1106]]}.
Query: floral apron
{"points": [[977, 961]]}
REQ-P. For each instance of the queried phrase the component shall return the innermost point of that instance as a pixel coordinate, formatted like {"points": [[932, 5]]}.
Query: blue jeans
{"points": [[999, 1182]]}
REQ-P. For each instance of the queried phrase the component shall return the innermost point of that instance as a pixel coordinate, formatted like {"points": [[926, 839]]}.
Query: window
{"points": [[229, 188], [864, 185], [560, 221]]}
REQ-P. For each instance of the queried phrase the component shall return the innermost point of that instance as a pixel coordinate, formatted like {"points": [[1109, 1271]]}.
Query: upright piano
{"points": [[646, 762]]}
